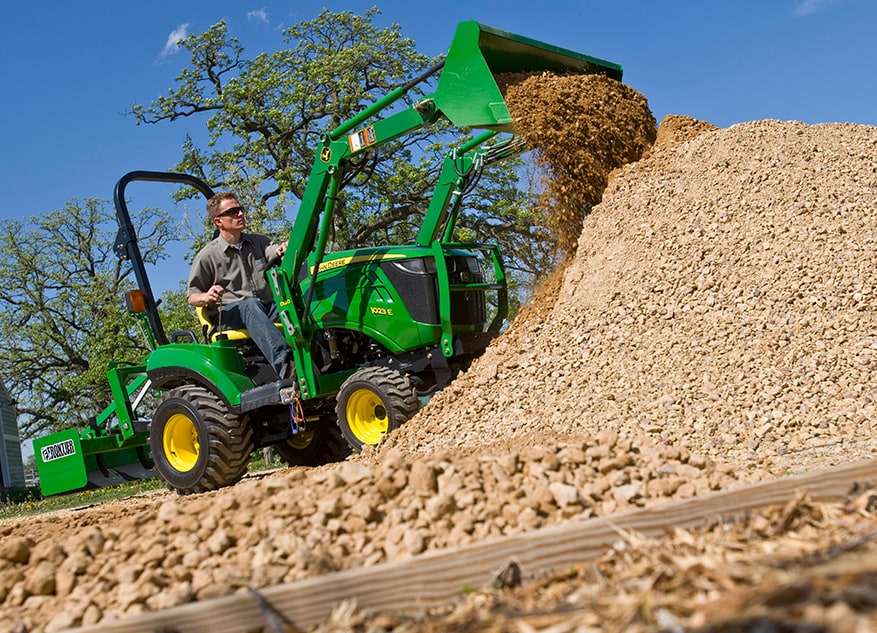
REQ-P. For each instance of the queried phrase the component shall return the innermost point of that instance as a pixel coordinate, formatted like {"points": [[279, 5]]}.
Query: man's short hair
{"points": [[214, 202]]}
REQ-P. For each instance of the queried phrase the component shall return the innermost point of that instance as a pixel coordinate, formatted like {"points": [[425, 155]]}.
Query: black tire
{"points": [[320, 443], [197, 443], [373, 402]]}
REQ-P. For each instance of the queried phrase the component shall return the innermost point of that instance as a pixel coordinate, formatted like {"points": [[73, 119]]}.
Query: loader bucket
{"points": [[468, 93]]}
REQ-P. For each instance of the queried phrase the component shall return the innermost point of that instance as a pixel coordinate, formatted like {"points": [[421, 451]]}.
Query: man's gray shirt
{"points": [[241, 271]]}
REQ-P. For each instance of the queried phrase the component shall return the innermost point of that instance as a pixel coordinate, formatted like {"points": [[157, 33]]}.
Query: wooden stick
{"points": [[438, 578]]}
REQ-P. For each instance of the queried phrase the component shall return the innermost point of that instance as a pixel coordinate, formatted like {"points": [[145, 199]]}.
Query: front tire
{"points": [[197, 443], [373, 402]]}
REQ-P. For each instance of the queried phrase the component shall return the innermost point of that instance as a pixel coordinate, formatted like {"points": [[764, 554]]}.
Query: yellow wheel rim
{"points": [[367, 416], [180, 442], [301, 440]]}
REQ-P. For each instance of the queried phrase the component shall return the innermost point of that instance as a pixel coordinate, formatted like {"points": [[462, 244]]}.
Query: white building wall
{"points": [[11, 465]]}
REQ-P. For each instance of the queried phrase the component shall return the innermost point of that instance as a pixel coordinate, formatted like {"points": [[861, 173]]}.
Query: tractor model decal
{"points": [[384, 311]]}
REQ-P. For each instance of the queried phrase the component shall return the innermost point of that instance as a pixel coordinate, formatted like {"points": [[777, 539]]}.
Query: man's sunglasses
{"points": [[228, 213]]}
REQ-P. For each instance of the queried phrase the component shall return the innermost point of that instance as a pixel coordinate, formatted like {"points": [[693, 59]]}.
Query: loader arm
{"points": [[312, 225], [467, 94]]}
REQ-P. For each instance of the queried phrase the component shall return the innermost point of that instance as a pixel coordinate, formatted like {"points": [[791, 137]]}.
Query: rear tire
{"points": [[197, 443], [320, 443], [373, 402]]}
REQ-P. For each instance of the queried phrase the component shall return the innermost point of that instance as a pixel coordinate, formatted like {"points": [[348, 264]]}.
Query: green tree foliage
{"points": [[265, 116], [62, 316]]}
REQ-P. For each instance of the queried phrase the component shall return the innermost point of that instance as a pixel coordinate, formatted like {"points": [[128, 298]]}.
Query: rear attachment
{"points": [[112, 450]]}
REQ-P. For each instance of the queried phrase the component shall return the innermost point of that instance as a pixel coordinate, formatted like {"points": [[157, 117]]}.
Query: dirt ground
{"points": [[715, 326]]}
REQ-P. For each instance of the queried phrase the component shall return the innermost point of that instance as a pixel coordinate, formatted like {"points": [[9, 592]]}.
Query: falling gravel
{"points": [[581, 128]]}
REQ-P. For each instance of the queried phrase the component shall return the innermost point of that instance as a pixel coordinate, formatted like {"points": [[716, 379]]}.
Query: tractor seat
{"points": [[211, 332]]}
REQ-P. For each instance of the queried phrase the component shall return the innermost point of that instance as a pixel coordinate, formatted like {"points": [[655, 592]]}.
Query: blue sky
{"points": [[71, 70]]}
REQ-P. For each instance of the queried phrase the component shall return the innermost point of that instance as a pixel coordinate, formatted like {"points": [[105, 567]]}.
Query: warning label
{"points": [[57, 451], [361, 139]]}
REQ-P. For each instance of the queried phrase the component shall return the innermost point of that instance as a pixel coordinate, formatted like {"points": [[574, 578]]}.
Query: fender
{"points": [[217, 366]]}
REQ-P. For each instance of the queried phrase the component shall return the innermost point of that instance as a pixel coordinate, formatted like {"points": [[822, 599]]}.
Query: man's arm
{"points": [[201, 299], [202, 291], [277, 249]]}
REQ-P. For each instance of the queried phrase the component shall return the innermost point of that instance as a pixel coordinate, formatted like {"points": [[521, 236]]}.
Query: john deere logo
{"points": [[326, 154]]}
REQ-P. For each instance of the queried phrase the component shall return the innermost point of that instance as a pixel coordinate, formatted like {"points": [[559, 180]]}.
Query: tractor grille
{"points": [[415, 281]]}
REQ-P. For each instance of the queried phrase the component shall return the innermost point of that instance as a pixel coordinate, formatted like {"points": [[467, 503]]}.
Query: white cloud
{"points": [[809, 7], [173, 40], [259, 15]]}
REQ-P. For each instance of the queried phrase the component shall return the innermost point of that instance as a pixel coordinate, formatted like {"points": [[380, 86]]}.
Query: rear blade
{"points": [[118, 467], [65, 464], [60, 462]]}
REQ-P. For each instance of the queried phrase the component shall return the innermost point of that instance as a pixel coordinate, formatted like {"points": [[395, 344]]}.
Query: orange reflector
{"points": [[136, 301]]}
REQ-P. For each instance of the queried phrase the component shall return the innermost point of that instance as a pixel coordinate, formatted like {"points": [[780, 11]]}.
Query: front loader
{"points": [[374, 332]]}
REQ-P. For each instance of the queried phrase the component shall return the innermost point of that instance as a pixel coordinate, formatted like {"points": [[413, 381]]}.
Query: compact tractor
{"points": [[374, 332]]}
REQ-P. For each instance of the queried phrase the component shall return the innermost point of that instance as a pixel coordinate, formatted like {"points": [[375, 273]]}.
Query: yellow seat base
{"points": [[207, 327], [228, 334]]}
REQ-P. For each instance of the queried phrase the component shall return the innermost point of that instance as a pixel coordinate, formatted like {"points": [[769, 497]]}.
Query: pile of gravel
{"points": [[722, 299]]}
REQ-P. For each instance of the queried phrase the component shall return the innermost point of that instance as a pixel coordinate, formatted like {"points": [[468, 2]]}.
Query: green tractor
{"points": [[374, 331]]}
